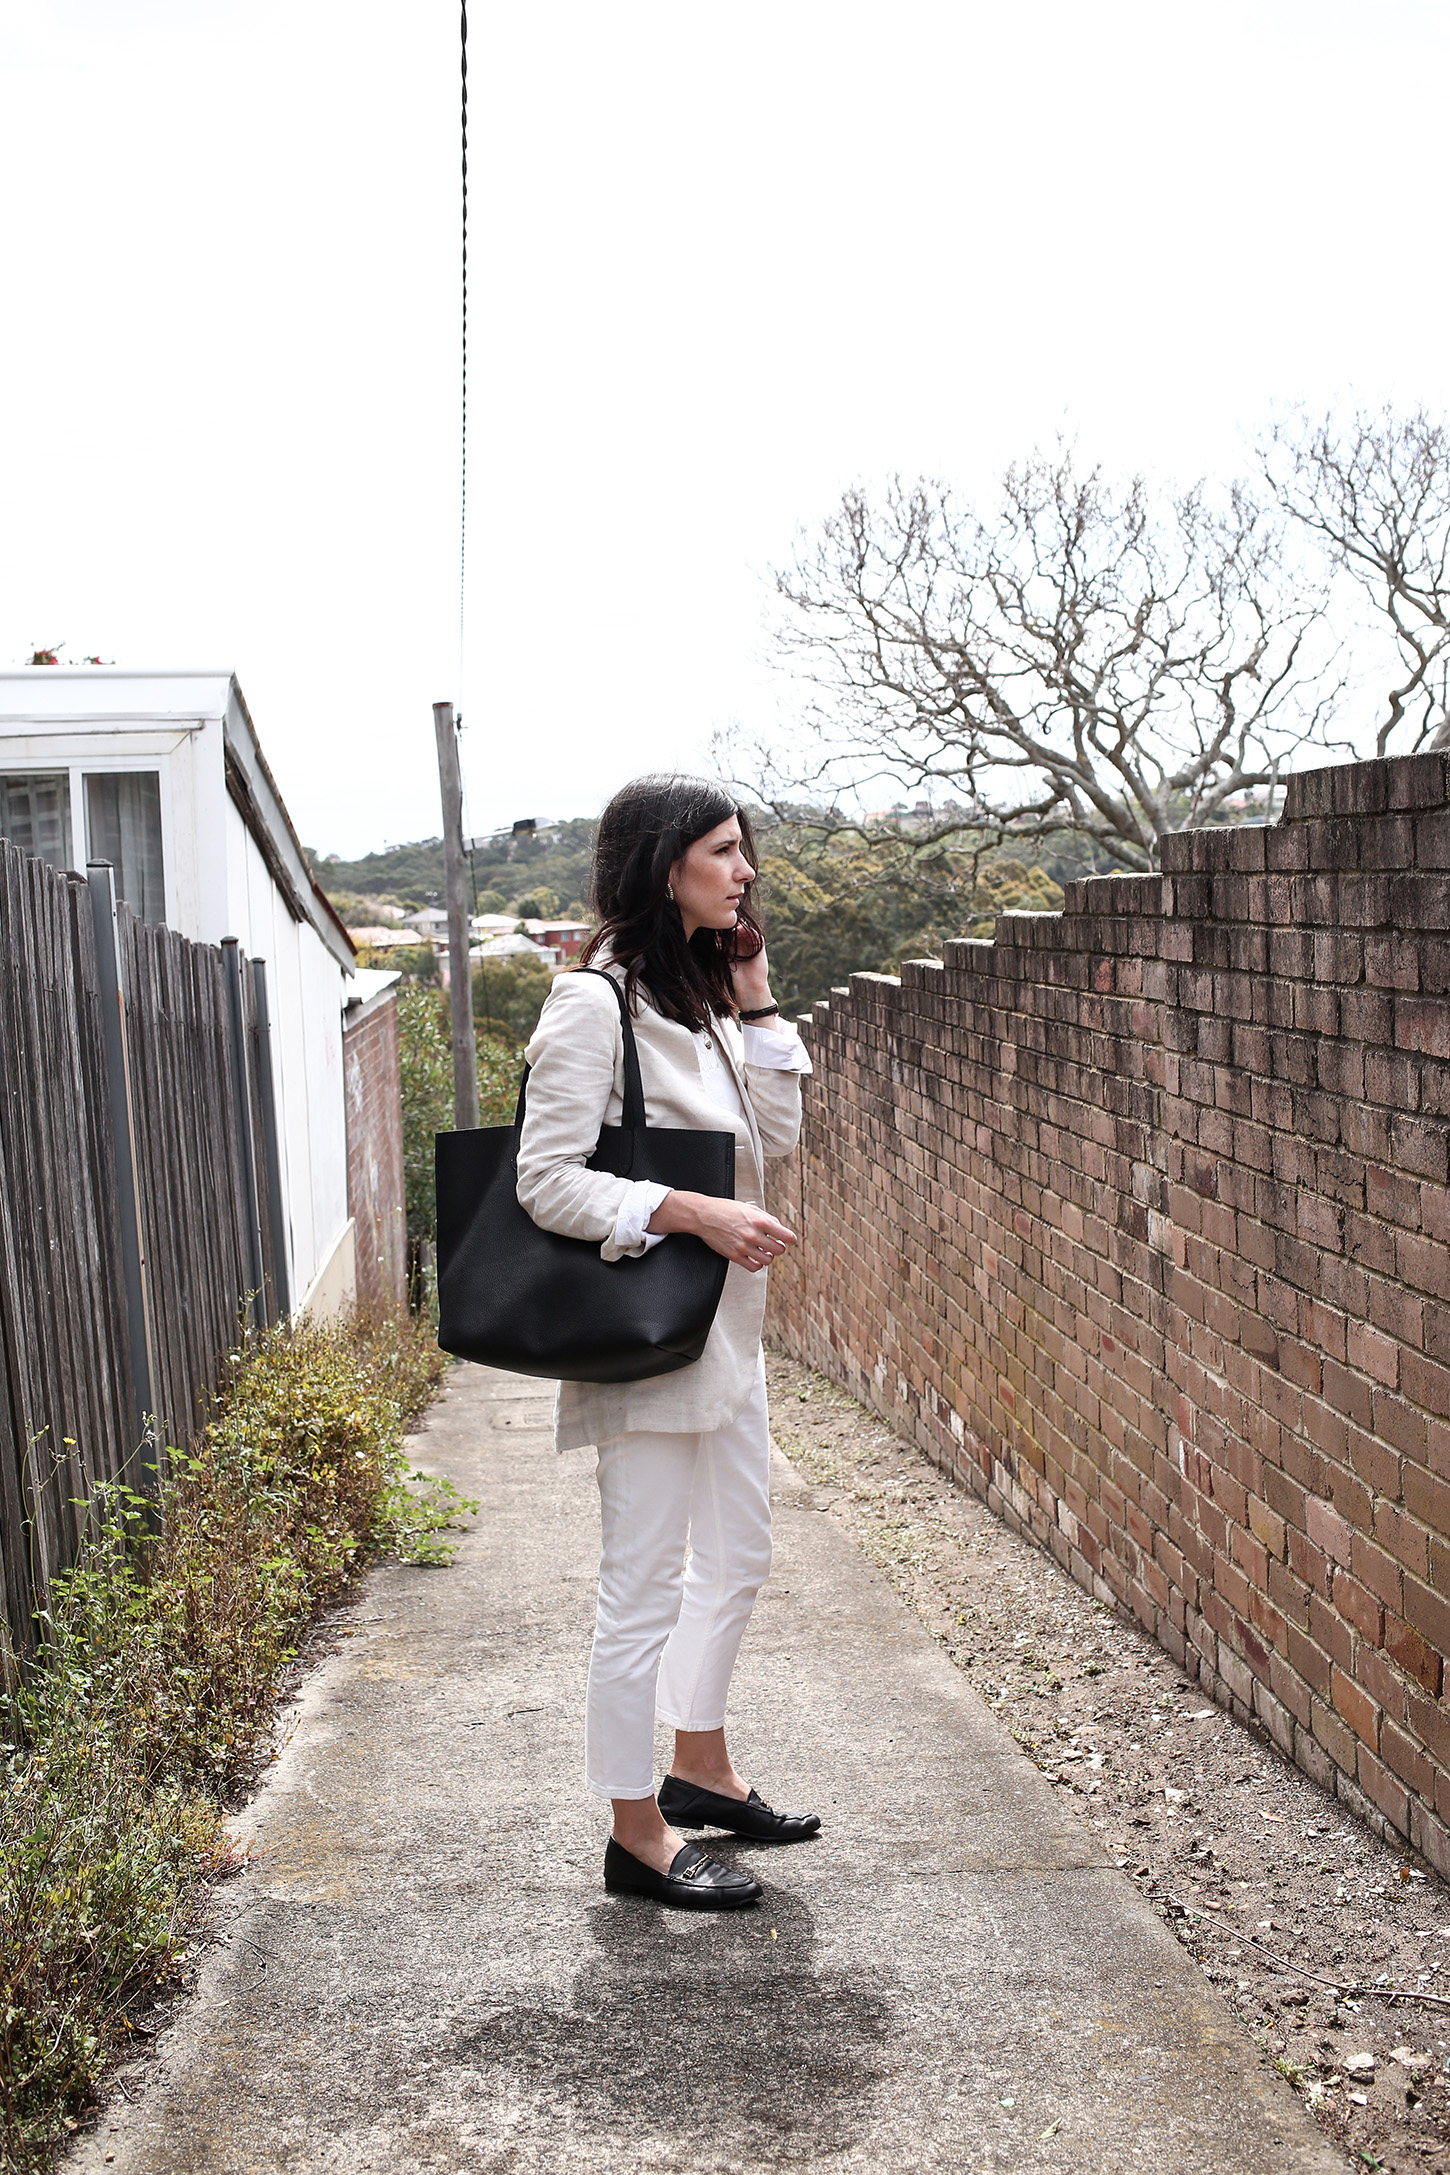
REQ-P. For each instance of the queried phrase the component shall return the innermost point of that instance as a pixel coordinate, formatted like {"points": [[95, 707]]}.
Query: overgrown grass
{"points": [[158, 1681]]}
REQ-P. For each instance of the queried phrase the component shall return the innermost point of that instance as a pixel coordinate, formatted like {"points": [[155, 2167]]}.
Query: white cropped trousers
{"points": [[686, 1549]]}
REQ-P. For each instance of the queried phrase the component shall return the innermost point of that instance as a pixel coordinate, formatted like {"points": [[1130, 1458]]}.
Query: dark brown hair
{"points": [[642, 833]]}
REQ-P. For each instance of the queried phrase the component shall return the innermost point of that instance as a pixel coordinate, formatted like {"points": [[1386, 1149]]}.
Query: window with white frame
{"points": [[123, 826], [35, 814]]}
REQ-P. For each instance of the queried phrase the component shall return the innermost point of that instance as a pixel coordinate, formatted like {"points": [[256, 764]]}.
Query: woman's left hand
{"points": [[750, 979]]}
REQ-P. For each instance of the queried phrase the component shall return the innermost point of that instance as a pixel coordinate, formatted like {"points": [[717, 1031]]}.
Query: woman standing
{"points": [[684, 1458]]}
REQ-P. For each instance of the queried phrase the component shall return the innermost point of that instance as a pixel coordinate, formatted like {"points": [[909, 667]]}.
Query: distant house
{"points": [[162, 775], [566, 939], [387, 939], [514, 947]]}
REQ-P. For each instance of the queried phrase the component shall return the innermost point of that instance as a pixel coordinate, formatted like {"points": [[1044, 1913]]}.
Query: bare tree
{"points": [[1375, 494], [1078, 659]]}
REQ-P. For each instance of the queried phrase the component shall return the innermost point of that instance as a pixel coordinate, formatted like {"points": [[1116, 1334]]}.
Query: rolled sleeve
{"points": [[776, 1049], [776, 1062], [631, 1235]]}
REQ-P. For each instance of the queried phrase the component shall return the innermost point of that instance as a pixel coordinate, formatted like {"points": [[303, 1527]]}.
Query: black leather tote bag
{"points": [[513, 1295]]}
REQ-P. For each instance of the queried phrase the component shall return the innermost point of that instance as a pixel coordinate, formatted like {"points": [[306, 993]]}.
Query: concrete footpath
{"points": [[421, 1970]]}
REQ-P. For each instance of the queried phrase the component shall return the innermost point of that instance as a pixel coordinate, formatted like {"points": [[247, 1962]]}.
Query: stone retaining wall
{"points": [[1137, 1219]]}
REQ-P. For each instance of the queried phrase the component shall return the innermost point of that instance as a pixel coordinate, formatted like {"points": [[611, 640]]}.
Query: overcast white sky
{"points": [[723, 263]]}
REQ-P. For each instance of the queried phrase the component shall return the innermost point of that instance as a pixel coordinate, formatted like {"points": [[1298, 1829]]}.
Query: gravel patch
{"points": [[1305, 1921]]}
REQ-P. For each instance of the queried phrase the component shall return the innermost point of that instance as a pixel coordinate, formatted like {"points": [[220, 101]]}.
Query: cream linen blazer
{"points": [[576, 1085]]}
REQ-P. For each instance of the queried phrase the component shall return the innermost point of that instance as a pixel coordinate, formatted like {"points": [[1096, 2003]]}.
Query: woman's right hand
{"points": [[733, 1228]]}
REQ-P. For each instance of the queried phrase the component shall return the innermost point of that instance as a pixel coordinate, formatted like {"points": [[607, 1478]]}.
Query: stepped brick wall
{"points": [[1136, 1218]]}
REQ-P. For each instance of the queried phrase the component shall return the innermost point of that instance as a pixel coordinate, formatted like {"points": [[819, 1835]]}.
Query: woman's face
{"points": [[709, 879]]}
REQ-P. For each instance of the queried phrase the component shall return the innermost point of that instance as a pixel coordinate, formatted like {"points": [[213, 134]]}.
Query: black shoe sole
{"points": [[744, 1835]]}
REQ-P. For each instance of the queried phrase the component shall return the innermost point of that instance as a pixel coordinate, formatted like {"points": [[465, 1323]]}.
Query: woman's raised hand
{"points": [[750, 979], [733, 1228]]}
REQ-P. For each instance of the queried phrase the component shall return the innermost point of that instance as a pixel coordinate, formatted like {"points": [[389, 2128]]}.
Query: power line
{"points": [[463, 416], [463, 448]]}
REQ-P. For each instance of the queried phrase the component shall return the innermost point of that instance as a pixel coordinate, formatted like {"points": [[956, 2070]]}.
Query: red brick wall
{"points": [[1137, 1219], [373, 1087]]}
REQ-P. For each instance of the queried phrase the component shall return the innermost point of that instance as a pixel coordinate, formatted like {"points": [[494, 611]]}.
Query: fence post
{"points": [[276, 1212], [135, 1268], [246, 1144]]}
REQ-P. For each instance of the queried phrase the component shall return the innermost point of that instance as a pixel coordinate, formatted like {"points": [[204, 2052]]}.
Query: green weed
{"points": [[159, 1673]]}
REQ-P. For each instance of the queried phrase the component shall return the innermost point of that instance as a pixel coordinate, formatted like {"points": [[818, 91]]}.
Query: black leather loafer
{"points": [[686, 1806], [694, 1882]]}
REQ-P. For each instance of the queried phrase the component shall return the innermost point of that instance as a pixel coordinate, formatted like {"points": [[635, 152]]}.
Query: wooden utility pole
{"points": [[460, 974]]}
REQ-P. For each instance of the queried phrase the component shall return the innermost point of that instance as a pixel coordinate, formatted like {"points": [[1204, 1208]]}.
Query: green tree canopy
{"points": [[415, 962], [538, 904], [836, 905], [508, 865], [426, 1052], [500, 1064], [509, 994]]}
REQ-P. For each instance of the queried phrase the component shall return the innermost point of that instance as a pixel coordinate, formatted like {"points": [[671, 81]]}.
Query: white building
{"points": [[515, 947], [161, 774]]}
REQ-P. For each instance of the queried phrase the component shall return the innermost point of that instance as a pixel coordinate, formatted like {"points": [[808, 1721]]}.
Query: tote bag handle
{"points": [[632, 1117]]}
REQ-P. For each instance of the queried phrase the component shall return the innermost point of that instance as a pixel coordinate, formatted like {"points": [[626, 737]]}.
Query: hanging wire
{"points": [[463, 448], [463, 445]]}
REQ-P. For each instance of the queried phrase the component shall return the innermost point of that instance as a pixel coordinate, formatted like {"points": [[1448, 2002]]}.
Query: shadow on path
{"points": [[739, 2049]]}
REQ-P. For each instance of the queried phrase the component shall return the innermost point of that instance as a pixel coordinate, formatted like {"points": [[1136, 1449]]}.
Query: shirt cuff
{"points": [[639, 1204], [776, 1049]]}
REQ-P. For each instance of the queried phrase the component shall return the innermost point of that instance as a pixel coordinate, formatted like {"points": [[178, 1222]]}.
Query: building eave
{"points": [[254, 794]]}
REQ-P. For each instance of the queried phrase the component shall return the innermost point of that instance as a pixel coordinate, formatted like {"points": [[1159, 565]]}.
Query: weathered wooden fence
{"points": [[140, 1202]]}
